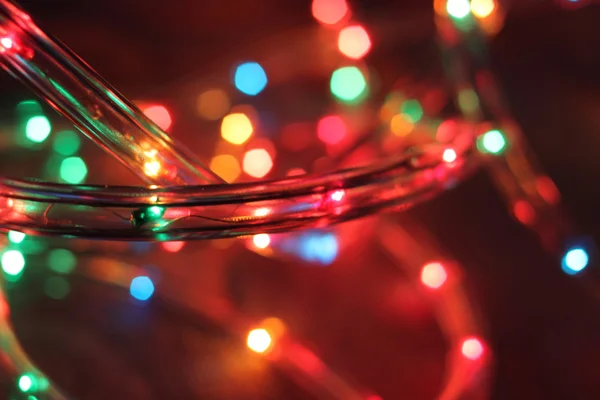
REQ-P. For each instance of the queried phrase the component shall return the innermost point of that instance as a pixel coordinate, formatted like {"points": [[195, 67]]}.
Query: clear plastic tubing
{"points": [[76, 91]]}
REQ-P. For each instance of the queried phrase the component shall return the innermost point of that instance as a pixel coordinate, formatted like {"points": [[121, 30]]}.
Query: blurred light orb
{"points": [[259, 340], [575, 260], [262, 240], [348, 84], [329, 11], [472, 348], [458, 8], [482, 8], [73, 170], [141, 288], [13, 262], [449, 155], [159, 115], [66, 143], [433, 275], [492, 142], [331, 129], [38, 128], [257, 163], [354, 42], [412, 110], [16, 237], [6, 42], [173, 247], [236, 128], [213, 104], [400, 125], [26, 383], [250, 78], [226, 166]]}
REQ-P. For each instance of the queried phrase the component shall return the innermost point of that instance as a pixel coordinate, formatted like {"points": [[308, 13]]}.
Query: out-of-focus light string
{"points": [[530, 193]]}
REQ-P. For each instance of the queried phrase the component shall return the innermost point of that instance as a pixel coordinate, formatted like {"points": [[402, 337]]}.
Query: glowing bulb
{"points": [[213, 104], [226, 166], [173, 247], [261, 212], [492, 142], [26, 383], [434, 275], [236, 128], [400, 125], [259, 340], [331, 129], [38, 128], [73, 170], [412, 110], [262, 240], [159, 115], [354, 42], [141, 288], [16, 237], [575, 260], [13, 262], [152, 168], [250, 78], [449, 155], [329, 11], [6, 42], [482, 8], [472, 348], [348, 84], [338, 195], [257, 163], [458, 8]]}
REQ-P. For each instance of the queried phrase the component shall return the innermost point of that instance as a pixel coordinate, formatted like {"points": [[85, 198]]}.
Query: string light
{"points": [[38, 128], [338, 195], [73, 170], [27, 383], [354, 42], [482, 8], [329, 11], [259, 340], [434, 275], [213, 104], [449, 155], [575, 260], [173, 247], [66, 143], [492, 142], [61, 261], [348, 84], [236, 128], [6, 42], [250, 78], [458, 9], [226, 166], [141, 288], [13, 262], [16, 237], [159, 115], [400, 125], [412, 110], [472, 348], [331, 129], [152, 168], [262, 240], [257, 163]]}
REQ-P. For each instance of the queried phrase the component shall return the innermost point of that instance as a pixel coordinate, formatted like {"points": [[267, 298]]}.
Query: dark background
{"points": [[542, 325]]}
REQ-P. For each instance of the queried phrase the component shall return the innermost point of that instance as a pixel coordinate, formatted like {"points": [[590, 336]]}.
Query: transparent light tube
{"points": [[76, 91]]}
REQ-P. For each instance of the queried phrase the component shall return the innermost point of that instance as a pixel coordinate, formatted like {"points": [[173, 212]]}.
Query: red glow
{"points": [[159, 115], [331, 129], [296, 172], [434, 275], [297, 136], [354, 42], [257, 163], [329, 11], [449, 155], [524, 212], [173, 247], [547, 189], [446, 131], [472, 348]]}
